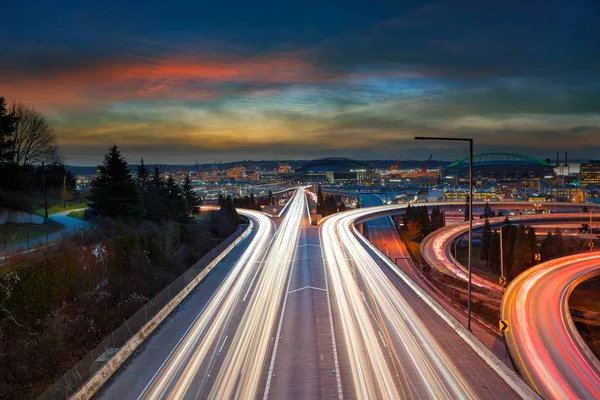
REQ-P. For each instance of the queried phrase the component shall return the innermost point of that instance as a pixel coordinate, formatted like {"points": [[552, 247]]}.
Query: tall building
{"points": [[589, 173]]}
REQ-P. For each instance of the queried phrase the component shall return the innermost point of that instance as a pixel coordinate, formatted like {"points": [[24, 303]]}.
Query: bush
{"points": [[15, 201]]}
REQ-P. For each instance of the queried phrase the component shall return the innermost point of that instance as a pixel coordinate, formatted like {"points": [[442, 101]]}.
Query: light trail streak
{"points": [[542, 337], [374, 374], [179, 369], [437, 247], [241, 373]]}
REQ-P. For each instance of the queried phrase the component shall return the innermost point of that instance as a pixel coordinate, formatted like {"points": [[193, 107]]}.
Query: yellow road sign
{"points": [[538, 257], [503, 325], [502, 281]]}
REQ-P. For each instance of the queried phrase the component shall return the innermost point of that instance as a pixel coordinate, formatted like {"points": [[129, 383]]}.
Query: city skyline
{"points": [[222, 82]]}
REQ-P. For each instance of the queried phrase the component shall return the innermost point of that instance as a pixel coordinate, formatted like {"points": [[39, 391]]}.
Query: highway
{"points": [[182, 357], [391, 343], [436, 248], [542, 338], [303, 312], [305, 365]]}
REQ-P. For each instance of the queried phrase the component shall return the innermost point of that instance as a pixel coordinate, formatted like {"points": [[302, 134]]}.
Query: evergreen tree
{"points": [[7, 129], [488, 212], [342, 207], [532, 240], [424, 219], [225, 221], [143, 176], [157, 180], [509, 237], [156, 197], [437, 218], [175, 202], [270, 198], [191, 198], [559, 244], [407, 215], [320, 202], [522, 255], [330, 206], [114, 192], [485, 241], [494, 252], [547, 249]]}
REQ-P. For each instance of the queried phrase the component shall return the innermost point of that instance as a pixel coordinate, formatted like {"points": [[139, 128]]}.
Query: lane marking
{"points": [[224, 341], [191, 325], [272, 366], [306, 287], [338, 378]]}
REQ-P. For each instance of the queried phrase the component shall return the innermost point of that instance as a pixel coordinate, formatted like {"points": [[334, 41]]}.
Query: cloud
{"points": [[165, 76]]}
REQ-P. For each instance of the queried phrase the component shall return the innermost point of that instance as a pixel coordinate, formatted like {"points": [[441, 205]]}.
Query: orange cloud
{"points": [[175, 77]]}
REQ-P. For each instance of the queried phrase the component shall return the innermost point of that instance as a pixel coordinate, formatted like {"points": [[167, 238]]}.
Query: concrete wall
{"points": [[19, 217]]}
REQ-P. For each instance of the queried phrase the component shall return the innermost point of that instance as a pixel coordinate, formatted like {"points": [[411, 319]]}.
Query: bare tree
{"points": [[34, 138]]}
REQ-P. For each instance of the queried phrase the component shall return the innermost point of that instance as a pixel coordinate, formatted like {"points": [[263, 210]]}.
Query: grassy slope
{"points": [[79, 214], [16, 233]]}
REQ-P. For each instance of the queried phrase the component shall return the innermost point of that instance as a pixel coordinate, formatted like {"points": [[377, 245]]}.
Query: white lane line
{"points": [[224, 341], [338, 378], [307, 209], [188, 329], [306, 287], [309, 244], [382, 341], [272, 366]]}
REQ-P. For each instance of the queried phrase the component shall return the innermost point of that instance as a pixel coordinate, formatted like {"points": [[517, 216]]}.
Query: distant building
{"points": [[536, 197], [459, 194], [499, 167], [566, 193], [589, 173], [333, 170]]}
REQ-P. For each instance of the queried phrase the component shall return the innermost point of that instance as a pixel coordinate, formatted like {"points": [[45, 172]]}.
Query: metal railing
{"points": [[32, 243], [70, 383]]}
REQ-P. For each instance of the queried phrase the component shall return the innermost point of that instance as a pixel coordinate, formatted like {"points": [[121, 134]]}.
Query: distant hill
{"points": [[264, 165]]}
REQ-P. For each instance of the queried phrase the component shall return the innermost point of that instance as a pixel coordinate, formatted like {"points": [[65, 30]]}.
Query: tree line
{"points": [[116, 193], [29, 157], [327, 205], [248, 202], [520, 245], [420, 223]]}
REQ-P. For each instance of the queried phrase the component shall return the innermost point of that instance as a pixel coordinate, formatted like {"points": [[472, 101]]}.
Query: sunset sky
{"points": [[202, 81]]}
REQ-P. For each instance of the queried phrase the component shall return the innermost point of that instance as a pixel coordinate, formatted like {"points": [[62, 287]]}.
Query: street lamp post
{"points": [[470, 140]]}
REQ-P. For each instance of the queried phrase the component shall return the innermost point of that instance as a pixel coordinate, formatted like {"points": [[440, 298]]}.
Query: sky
{"points": [[180, 82]]}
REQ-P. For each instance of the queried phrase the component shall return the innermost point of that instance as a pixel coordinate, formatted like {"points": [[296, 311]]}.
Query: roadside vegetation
{"points": [[79, 214], [17, 233], [58, 303], [327, 205]]}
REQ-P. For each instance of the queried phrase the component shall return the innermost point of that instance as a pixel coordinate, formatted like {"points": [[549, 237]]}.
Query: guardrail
{"points": [[34, 243], [88, 375]]}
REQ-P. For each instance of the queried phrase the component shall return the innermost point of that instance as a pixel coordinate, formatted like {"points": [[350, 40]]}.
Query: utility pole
{"points": [[470, 140], [44, 189], [501, 256], [64, 192]]}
